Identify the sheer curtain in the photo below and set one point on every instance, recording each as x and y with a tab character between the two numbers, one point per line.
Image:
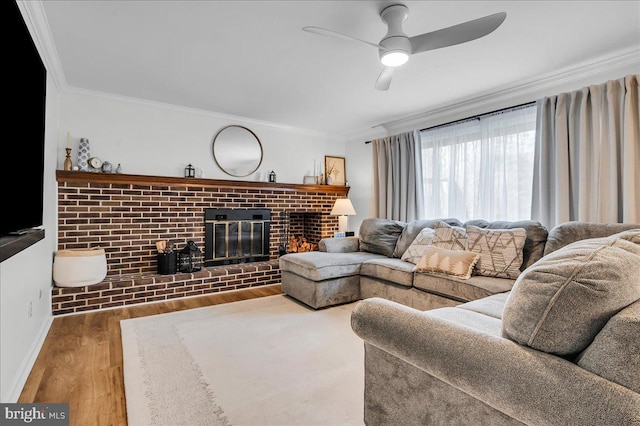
587	163
396	190
481	168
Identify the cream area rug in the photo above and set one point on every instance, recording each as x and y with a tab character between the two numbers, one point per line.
265	361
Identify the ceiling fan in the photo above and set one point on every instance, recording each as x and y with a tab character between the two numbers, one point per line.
396	47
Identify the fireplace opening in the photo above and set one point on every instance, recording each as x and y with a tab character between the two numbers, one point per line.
236	236
301	232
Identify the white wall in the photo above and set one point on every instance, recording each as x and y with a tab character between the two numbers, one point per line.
359	166
155	139
26	278
359	154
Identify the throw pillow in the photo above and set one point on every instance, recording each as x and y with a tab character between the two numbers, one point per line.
537	234
452	262
413	228
450	237
560	303
419	246
380	235
500	250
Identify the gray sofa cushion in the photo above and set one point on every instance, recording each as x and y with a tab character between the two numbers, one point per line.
318	266
492	306
460	289
380	235
484	324
413	228
615	352
570	232
339	245
562	302
394	270
534	244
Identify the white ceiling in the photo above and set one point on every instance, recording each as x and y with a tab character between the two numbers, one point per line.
252	59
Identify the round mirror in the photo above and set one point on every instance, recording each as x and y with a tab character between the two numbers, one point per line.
237	151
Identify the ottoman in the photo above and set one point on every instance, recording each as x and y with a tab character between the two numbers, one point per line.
320	279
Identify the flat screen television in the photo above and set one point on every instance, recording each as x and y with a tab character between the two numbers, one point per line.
22	186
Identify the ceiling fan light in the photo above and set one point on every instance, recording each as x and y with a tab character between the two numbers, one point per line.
394	58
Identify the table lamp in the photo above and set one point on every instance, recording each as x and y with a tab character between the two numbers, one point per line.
342	208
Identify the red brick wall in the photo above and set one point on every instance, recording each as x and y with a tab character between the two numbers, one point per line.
127	214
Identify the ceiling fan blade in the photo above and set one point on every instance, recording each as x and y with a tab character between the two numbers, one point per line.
384	79
457	34
326	32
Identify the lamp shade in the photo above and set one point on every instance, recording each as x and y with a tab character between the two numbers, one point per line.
343	207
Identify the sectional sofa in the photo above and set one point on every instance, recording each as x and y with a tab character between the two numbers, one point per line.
372	264
557	345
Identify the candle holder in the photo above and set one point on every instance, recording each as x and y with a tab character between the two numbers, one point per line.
67	161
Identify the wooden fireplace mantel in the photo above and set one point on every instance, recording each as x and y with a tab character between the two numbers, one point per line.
111	178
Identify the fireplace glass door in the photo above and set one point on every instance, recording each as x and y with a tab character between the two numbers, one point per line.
236	235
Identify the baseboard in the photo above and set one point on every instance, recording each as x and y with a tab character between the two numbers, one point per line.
27	364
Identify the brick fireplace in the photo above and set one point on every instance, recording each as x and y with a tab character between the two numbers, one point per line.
126	214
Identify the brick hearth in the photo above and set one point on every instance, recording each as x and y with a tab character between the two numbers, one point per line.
127	214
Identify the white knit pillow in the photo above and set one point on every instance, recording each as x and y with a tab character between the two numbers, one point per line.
416	250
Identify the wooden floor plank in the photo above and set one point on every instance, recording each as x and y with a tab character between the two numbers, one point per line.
81	358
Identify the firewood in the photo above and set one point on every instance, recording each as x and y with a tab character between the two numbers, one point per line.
300	245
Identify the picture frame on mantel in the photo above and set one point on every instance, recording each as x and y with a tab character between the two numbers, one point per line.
335	170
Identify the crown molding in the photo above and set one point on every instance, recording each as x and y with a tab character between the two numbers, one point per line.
212	114
36	20
624	62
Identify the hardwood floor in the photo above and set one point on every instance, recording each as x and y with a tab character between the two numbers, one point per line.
81	358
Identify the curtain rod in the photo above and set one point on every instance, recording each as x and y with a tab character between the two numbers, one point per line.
477	117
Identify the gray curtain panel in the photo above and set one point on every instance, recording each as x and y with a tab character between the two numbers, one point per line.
397	191
587	155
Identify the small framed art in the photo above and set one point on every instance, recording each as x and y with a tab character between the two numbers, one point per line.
335	170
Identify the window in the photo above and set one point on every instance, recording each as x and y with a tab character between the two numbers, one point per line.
480	168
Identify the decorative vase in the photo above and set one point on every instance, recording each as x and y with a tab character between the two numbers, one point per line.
83	155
